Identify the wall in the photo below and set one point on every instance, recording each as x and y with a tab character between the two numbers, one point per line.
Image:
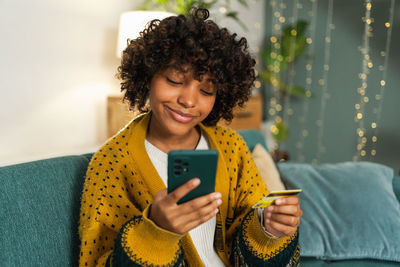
57	67
338	126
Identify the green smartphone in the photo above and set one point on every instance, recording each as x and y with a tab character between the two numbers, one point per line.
184	165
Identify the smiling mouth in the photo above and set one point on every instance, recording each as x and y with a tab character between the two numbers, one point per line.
180	116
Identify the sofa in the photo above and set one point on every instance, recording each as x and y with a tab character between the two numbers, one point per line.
40	200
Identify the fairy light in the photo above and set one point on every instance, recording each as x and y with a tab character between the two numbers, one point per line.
275	102
365	66
309	72
379	97
222	10
286	101
254	35
324	84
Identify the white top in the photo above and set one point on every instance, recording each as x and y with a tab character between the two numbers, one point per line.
203	235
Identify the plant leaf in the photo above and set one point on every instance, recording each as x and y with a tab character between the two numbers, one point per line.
162	2
300	46
270	62
243	3
234	15
208	5
268	77
294	41
301	26
280	132
188	4
296	90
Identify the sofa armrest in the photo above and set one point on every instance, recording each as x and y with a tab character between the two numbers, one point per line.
252	138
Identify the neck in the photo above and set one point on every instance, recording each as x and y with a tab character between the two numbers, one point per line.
167	142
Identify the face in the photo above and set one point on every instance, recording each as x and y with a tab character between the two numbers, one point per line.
179	102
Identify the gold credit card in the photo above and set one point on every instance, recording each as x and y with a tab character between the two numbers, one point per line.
274	195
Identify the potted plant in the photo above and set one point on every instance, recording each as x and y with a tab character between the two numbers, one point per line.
279	57
184	6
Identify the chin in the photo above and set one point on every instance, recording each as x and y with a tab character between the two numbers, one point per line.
177	128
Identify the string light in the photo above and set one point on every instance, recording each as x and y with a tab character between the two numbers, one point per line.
365	66
379	97
324	84
292	47
275	102
309	71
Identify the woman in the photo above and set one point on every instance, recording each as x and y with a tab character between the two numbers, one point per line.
191	73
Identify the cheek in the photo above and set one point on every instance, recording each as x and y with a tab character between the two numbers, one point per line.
159	94
209	105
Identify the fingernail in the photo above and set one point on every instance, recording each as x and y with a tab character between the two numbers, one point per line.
270	208
216	211
217	195
196	182
269	215
278	201
219	201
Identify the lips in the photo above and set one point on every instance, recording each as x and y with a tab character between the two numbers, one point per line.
180	116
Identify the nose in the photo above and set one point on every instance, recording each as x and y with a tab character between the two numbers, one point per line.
188	96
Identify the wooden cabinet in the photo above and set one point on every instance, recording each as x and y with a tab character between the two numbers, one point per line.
248	117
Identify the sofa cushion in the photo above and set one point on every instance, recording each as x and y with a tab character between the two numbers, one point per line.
350	210
313	262
39	207
267	168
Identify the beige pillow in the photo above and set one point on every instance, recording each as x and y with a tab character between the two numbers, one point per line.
267	169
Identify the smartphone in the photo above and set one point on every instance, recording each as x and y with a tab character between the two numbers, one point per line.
183	165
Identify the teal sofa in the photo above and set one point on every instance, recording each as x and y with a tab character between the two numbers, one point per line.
39	213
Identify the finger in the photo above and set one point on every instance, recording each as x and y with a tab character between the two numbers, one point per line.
198	213
183	190
201	214
286	230
185	214
293	210
193	223
284	219
293	200
161	194
202	201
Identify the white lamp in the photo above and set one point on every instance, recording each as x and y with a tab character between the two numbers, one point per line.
133	22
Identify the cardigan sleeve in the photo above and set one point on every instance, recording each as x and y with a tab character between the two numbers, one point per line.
251	245
114	230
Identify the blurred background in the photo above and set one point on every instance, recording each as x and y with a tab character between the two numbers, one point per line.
328	80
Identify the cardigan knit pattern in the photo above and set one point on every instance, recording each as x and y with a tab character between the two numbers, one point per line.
120	185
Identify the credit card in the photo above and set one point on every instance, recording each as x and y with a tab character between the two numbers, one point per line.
274	195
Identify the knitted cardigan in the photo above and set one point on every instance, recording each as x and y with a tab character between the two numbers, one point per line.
120	185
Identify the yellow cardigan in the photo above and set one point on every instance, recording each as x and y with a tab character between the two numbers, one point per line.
121	183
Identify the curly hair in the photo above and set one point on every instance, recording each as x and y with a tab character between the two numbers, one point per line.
192	41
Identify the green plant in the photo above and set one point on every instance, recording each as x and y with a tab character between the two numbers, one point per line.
279	56
184	6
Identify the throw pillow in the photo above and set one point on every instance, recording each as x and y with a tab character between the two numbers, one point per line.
267	169
349	210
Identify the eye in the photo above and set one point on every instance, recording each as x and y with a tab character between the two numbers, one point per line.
207	92
173	82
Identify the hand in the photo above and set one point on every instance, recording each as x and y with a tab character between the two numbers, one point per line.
180	219
283	217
